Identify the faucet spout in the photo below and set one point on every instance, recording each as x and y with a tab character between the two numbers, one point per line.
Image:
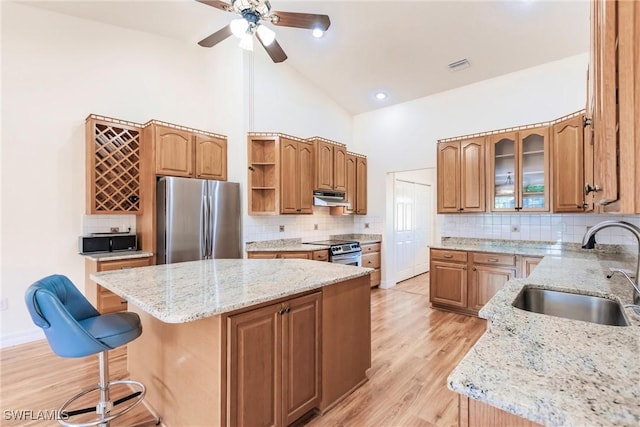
588	242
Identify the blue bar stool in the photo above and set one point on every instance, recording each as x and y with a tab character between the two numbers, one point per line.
74	328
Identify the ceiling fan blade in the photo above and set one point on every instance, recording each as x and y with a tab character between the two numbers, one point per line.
274	50
217	4
216	37
300	20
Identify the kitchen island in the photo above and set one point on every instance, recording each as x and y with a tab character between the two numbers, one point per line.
246	342
551	370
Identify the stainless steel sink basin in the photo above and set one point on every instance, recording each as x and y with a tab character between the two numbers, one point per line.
571	306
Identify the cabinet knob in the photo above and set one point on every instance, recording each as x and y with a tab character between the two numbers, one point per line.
473	269
298	210
447	256
464	268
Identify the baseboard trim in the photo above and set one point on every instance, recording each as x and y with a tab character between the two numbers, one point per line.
22	337
387	284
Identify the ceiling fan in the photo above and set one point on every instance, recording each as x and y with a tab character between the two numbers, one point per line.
254	11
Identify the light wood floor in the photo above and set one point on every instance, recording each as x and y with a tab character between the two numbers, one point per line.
413	347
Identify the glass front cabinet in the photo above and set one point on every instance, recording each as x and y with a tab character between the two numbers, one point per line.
519	171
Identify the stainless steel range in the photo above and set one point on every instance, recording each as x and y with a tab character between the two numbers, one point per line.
342	251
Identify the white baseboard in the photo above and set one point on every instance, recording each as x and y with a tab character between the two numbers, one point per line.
16	338
387	284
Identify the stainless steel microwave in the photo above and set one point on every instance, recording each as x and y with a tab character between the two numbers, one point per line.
107	243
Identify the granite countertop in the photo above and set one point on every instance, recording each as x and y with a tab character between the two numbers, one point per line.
363	239
283	245
552	370
114	256
188	291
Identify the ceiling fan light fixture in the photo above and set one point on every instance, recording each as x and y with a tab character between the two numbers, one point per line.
239	27
317	33
246	42
267	36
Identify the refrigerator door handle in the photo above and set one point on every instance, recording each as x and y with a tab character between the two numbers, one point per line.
205	222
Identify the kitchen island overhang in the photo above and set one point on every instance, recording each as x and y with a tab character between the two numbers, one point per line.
204	323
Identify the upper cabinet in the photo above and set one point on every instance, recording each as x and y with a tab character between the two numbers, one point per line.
519	171
330	167
296	176
263	180
188	153
613	105
361	185
113	155
461	176
569	155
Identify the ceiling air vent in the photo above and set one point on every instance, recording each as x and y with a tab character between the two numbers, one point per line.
459	65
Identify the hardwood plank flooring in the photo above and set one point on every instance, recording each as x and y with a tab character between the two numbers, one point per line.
413	346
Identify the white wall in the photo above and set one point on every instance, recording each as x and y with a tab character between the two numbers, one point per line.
58	69
404	136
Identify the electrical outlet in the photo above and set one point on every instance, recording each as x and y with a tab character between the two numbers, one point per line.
315	226
115	229
515	229
366	225
4	304
282	228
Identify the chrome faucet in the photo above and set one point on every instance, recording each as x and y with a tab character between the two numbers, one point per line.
589	241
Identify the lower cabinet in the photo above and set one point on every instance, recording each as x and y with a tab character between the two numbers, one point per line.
527	264
371	259
489	273
473	413
103	300
274	360
322	255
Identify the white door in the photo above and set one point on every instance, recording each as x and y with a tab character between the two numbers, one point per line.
413	208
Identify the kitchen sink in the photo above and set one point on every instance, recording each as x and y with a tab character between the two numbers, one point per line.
571	306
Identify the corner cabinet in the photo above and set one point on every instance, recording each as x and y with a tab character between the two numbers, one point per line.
274	360
461	176
519	171
296	177
185	152
113	163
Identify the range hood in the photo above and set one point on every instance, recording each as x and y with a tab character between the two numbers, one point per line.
329	198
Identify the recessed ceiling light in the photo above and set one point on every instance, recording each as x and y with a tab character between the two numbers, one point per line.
317	33
381	95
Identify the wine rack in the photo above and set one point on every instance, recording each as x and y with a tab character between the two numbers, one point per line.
113	166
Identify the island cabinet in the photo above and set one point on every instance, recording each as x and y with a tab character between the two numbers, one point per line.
569	157
104	300
473	413
113	152
296	176
274	360
461	176
519	171
330	168
180	151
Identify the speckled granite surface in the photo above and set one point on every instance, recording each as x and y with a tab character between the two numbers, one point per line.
114	256
282	245
363	239
183	292
552	370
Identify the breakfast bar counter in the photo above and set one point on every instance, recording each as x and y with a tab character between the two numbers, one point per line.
246	342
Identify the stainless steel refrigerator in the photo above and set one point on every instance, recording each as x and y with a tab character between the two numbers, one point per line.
197	219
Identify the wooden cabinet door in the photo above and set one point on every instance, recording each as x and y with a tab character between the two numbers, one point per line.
305	177
568	163
485	282
174	152
361	186
211	157
324	166
528	264
301	356
339	168
295	255
449	177
254	367
350	192
448	284
262	255
472	175
289	185
533	170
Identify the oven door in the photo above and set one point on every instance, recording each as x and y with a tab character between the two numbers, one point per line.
353	258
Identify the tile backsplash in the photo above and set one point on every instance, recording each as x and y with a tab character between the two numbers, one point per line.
258	228
552	227
104	223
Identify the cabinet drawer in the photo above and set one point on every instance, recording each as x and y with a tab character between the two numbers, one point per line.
493	259
295	255
371	260
374	247
321	255
443	254
110	302
375	278
125	263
